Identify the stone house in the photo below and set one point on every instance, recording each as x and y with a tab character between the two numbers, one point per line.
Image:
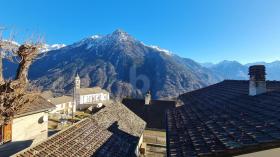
64	105
112	131
30	123
230	118
153	112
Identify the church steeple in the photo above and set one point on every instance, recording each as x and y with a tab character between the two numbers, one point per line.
77	82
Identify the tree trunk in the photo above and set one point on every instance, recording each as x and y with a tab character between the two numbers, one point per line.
22	71
27	53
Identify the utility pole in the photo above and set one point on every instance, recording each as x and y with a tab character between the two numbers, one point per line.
74	102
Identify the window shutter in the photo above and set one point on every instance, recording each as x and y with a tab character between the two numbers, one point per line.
7	132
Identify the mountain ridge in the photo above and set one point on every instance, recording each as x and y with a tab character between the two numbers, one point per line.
235	70
124	66
111	61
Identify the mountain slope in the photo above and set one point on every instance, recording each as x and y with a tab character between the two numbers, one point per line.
237	71
120	64
230	70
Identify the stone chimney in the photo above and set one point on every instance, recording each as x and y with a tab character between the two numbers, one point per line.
148	98
257	83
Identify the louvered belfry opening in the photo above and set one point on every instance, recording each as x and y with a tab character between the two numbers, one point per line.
257	80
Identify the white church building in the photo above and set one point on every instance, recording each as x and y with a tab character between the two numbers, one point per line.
86	97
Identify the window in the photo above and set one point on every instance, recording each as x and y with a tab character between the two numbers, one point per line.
58	106
94	98
88	99
98	97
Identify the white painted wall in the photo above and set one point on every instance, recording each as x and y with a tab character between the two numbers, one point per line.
137	150
29	128
91	98
64	107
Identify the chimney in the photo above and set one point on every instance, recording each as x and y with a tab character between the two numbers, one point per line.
148	98
257	83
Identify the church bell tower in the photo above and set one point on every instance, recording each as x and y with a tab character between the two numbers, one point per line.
77	82
77	86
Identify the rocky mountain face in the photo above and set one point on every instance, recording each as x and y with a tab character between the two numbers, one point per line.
121	64
128	68
9	69
235	70
230	70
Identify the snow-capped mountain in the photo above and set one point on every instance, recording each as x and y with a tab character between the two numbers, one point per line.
46	47
121	64
161	49
120	36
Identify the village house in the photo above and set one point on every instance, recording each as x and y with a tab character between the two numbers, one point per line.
86	97
83	99
29	124
64	105
112	131
153	112
230	118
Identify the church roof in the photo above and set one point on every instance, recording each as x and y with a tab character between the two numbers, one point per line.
112	131
223	120
94	90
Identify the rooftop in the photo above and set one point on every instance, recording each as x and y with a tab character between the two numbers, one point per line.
112	131
60	100
224	120
94	90
37	104
153	114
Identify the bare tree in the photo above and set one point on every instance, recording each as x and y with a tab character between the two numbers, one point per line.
13	92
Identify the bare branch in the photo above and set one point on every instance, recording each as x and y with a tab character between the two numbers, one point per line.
13	92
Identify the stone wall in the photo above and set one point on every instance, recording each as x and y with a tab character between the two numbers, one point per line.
30	127
137	150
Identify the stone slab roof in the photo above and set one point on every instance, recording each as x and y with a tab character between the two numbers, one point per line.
38	104
112	131
61	99
223	120
81	139
128	121
153	114
94	90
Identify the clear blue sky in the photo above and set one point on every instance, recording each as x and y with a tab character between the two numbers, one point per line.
204	30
